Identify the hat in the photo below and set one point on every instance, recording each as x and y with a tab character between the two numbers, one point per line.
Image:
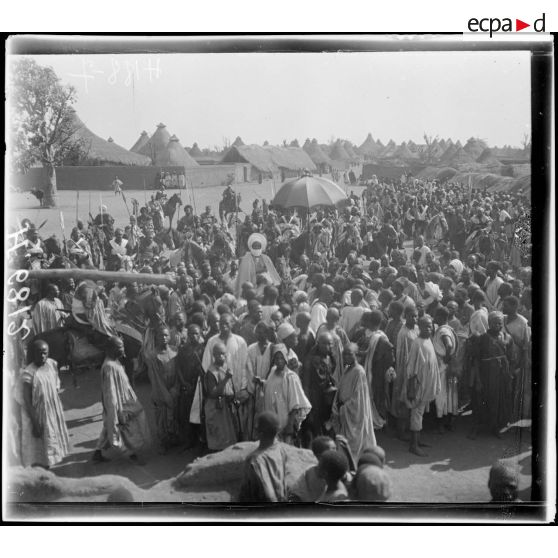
257	237
284	330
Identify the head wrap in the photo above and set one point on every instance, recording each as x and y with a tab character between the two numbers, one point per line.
257	237
279	348
432	290
284	330
457	265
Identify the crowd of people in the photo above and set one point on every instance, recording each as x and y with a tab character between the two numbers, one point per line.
319	329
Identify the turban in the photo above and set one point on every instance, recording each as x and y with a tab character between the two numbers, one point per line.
457	265
433	290
284	330
257	237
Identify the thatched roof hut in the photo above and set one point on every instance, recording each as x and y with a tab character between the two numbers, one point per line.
404	153
354	156
388	150
475	147
270	159
488	159
461	157
316	153
339	153
369	147
195	151
157	142
141	141
174	155
99	151
449	153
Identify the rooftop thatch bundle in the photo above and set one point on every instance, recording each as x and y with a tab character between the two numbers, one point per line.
99	151
174	155
157	143
238	142
141	141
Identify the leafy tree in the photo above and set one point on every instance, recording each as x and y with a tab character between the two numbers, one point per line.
42	122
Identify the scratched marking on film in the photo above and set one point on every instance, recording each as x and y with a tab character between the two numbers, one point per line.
125	72
17	294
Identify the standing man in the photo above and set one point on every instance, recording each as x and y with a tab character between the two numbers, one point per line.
49	312
117	185
44	436
422	380
124	421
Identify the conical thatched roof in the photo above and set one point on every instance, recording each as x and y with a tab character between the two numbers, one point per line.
195	151
449	152
389	149
316	153
488	159
442	143
110	140
436	151
141	141
270	158
338	153
157	142
458	144
412	146
475	147
174	155
350	151
369	146
403	152
97	150
294	143
461	157
238	141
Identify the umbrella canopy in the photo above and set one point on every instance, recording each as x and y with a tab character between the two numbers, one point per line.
309	192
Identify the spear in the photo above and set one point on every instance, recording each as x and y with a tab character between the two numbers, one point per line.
77	205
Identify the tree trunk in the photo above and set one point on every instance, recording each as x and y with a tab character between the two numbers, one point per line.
51	193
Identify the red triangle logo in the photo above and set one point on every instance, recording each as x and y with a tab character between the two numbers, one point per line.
519	25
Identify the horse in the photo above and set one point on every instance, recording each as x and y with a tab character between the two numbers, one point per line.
80	348
169	208
229	206
40	195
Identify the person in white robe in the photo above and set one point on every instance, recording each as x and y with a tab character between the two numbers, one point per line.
255	263
44	436
407	334
352	410
258	365
125	425
284	395
446	344
49	312
422	381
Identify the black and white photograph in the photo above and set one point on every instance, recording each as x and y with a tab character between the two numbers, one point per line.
277	277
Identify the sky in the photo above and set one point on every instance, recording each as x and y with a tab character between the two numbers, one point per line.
212	98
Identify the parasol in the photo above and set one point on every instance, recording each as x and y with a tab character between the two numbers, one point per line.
308	192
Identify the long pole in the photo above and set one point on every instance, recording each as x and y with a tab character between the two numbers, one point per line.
98	275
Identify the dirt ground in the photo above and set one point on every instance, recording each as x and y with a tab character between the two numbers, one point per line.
456	469
23	205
